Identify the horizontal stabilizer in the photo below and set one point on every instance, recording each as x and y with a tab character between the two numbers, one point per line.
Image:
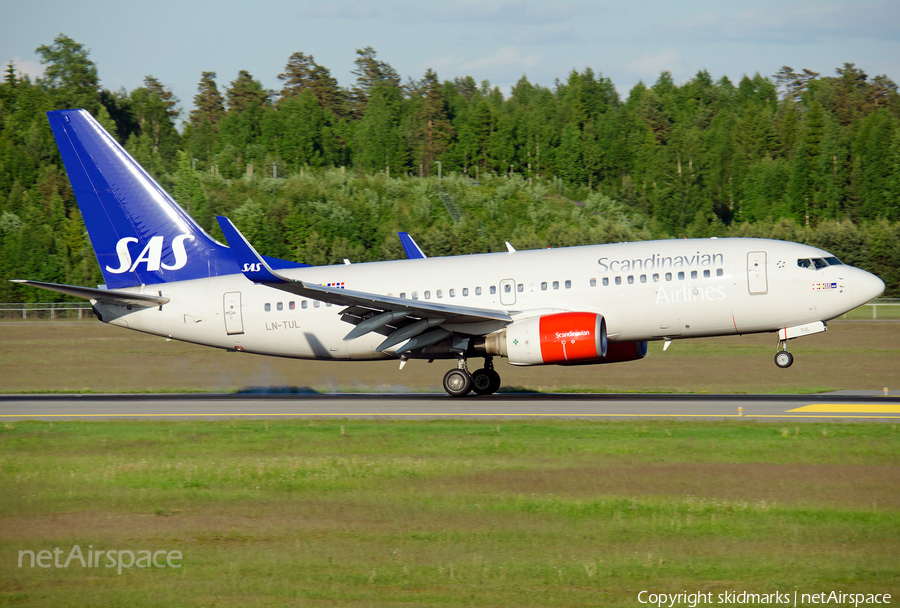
251	264
107	296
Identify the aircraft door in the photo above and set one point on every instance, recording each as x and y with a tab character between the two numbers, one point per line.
507	292
757	281
234	322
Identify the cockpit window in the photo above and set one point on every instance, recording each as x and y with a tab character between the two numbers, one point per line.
818	263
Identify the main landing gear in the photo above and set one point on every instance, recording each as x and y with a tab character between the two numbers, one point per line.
783	358
459	382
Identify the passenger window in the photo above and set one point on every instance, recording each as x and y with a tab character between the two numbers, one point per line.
618	280
555	284
304	304
493	290
507	288
681	275
452	293
440	293
631	279
427	294
478	290
415	295
720	272
705	274
605	281
656	277
593	282
668	276
316	303
402	294
544	286
268	307
328	304
279	307
693	274
465	291
292	305
520	287
568	284
643	278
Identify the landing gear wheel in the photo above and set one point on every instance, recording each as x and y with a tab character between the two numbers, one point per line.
485	381
457	383
784	359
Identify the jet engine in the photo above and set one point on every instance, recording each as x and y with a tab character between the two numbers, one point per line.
566	337
617	352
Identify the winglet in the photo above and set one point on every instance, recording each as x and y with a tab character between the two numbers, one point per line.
252	265
413	251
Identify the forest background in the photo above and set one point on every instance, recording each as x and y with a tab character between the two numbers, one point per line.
318	172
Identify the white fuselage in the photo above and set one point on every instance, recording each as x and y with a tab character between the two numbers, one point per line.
646	291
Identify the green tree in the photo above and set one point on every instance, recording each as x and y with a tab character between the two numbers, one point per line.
246	92
369	72
70	76
208	103
302	73
378	140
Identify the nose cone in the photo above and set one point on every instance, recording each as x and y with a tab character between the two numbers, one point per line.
866	286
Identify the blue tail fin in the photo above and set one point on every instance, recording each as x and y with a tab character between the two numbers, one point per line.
139	233
412	249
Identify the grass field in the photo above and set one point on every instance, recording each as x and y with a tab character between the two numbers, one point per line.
90	356
367	513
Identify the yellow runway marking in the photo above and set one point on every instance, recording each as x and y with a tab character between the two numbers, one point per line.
455	414
872	408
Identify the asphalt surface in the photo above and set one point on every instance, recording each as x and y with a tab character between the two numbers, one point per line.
829	407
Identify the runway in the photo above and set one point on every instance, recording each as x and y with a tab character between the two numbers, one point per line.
810	408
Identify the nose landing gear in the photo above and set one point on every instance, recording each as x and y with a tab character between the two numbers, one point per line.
459	382
783	358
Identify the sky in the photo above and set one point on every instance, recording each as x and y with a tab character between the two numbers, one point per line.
495	40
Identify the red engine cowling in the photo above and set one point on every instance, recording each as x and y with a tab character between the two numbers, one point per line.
561	338
618	352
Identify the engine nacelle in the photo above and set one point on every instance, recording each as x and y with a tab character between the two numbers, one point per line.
618	352
566	337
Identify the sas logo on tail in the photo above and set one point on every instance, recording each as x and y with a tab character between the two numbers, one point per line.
252	267
151	255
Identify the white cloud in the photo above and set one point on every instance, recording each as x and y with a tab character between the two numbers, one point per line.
649	66
488	12
793	25
552	33
31	68
508	56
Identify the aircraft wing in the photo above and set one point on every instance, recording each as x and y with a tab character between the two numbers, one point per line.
109	296
383	311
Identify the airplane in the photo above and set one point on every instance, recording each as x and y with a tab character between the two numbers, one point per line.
584	305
